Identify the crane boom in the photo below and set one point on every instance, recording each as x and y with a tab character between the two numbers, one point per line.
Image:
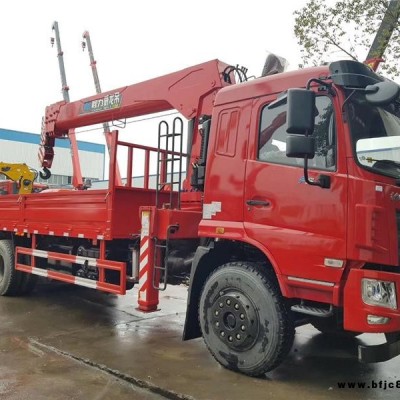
46	151
190	91
60	54
20	173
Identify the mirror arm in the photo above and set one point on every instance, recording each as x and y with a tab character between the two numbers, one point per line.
363	90
323	181
306	177
325	85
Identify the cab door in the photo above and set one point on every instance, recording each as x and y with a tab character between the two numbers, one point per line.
301	227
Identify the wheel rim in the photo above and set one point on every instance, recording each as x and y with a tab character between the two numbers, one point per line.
235	320
1	269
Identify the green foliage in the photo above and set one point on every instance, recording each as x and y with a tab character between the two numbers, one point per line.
346	29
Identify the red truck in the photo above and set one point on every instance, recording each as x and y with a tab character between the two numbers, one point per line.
289	212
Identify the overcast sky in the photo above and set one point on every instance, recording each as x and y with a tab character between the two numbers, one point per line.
132	41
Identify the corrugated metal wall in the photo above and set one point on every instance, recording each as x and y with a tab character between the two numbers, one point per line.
22	147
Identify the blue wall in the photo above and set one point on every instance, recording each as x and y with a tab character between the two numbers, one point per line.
25	137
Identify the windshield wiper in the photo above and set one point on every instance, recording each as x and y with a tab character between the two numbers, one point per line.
384	161
381	161
390	166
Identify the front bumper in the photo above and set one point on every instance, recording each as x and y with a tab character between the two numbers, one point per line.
356	311
380	352
356	315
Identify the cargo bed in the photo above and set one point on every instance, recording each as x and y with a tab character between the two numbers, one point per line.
94	214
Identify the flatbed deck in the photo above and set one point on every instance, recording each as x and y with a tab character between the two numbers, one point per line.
93	214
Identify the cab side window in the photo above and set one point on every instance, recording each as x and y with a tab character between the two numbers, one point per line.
272	136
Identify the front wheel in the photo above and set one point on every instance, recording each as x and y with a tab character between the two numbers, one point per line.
244	320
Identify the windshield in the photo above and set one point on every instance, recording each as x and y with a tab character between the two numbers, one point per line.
375	132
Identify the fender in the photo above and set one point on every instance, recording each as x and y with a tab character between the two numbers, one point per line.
206	259
191	328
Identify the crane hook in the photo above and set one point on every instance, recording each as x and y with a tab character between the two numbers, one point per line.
46	174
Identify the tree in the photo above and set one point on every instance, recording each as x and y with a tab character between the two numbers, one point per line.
348	27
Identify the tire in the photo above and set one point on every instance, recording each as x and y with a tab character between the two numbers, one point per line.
330	326
244	320
10	278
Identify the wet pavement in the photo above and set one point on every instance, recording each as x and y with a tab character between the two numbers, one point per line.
67	342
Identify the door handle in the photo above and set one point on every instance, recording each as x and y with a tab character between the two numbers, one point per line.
262	203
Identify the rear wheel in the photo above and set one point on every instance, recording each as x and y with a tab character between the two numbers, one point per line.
244	319
9	277
13	282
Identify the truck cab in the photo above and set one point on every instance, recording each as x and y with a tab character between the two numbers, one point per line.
324	222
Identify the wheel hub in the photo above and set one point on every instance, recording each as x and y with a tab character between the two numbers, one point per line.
235	320
230	320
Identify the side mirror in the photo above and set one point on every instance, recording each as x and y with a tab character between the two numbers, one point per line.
300	146
382	93
301	111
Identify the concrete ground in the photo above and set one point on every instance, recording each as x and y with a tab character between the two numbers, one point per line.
67	342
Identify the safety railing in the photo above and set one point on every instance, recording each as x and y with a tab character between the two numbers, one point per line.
140	162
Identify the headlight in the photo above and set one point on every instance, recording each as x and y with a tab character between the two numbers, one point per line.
379	293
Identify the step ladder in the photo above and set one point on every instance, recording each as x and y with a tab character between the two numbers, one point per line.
161	251
169	161
312	310
169	177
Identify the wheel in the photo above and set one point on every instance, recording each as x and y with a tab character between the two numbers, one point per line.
244	320
330	326
13	282
9	276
